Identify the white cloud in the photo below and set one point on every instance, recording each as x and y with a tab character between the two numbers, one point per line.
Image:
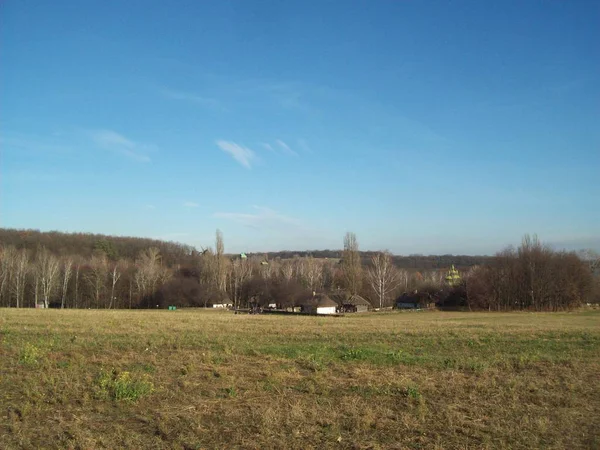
191	204
118	143
286	148
261	218
150	207
241	154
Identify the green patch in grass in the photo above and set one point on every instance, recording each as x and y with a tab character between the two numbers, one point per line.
123	386
353	354
30	355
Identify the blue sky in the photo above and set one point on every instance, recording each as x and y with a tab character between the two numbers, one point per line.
424	127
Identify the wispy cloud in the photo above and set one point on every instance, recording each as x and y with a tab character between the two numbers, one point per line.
260	218
192	98
241	154
150	207
285	148
118	143
191	204
267	146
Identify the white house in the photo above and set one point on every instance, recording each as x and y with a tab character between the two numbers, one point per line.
320	304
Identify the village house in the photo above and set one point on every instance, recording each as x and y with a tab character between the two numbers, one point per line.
350	303
416	300
319	304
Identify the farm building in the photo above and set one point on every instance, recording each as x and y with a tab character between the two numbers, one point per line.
416	300
351	302
320	304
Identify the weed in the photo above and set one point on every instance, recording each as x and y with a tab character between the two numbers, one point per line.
123	385
352	354
413	392
30	355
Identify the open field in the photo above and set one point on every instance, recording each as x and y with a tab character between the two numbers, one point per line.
208	379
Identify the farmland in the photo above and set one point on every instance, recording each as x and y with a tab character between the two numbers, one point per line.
191	379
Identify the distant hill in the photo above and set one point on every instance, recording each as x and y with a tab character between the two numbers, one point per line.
416	262
84	244
116	247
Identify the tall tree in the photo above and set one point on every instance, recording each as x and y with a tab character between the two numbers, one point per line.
220	263
383	276
351	264
7	260
115	275
67	270
96	277
19	276
47	265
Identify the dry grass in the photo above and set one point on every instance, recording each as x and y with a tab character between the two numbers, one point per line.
204	379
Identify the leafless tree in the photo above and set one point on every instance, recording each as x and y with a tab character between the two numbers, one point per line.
592	258
313	273
19	276
383	276
47	265
287	270
7	260
76	274
220	263
150	273
351	264
67	270
96	277
115	275
241	270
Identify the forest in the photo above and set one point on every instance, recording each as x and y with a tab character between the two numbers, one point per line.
81	270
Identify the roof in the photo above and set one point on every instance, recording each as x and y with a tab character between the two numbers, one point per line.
319	301
323	301
345	298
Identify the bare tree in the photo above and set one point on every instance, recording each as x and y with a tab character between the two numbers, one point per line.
66	272
241	270
7	260
115	275
150	273
47	266
287	270
96	277
383	276
313	273
76	293
592	258
220	263
351	264
19	276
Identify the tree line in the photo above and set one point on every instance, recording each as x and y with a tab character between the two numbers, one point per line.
111	275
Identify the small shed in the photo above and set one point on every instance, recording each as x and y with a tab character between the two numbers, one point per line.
320	304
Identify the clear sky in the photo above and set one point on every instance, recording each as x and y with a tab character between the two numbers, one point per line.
424	127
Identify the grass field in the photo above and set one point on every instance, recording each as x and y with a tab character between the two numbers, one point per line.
206	379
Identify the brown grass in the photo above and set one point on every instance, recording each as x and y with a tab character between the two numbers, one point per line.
205	379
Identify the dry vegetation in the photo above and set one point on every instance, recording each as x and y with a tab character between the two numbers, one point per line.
204	379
